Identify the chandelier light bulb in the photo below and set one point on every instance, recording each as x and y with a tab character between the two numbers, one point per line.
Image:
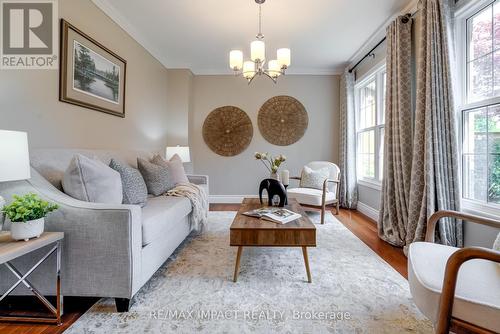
284	57
236	60
258	51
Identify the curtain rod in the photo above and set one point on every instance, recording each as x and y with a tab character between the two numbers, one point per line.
405	20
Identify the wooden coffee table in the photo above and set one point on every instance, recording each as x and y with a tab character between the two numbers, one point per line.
254	232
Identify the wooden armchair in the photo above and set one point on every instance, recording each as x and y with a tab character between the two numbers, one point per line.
318	199
454	287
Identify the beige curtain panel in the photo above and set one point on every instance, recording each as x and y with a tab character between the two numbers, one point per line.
398	137
434	178
348	193
421	168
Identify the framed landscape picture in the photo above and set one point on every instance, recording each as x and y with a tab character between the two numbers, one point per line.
91	75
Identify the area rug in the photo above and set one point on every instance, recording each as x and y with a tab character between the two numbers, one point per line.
352	291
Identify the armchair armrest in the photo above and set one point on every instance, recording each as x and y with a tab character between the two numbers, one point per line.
295	178
455	262
431	223
325	189
450	280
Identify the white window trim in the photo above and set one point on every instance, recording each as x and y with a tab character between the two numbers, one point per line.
374	73
461	15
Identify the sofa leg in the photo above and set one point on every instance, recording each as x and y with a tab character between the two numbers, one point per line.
338	208
122	304
323	215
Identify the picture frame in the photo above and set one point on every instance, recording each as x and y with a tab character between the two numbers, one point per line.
91	75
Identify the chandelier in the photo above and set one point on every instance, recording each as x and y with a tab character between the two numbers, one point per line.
251	68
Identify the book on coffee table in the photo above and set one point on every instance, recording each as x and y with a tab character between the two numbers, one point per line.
275	215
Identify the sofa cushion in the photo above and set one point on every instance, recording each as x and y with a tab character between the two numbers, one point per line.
177	173
91	180
477	295
134	188
309	196
156	177
161	214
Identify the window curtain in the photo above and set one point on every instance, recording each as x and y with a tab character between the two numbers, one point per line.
434	177
395	199
348	184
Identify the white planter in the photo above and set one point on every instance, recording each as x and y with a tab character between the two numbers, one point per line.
27	230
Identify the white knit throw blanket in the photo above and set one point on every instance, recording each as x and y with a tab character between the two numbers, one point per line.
199	202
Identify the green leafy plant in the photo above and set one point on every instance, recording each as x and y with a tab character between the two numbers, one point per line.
28	207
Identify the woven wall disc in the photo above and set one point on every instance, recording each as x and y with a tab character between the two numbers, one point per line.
228	131
283	120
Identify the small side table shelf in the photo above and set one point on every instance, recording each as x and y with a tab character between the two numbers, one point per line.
11	250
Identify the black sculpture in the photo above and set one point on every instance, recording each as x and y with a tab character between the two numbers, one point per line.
273	188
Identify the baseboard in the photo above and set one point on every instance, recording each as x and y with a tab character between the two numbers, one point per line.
229	199
368	211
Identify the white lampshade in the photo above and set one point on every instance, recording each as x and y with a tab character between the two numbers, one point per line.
236	60
181	151
274	68
284	57
258	50
14	156
248	69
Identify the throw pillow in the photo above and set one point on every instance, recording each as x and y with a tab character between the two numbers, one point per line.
91	180
134	188
177	174
314	178
156	177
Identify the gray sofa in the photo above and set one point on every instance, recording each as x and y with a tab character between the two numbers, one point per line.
108	250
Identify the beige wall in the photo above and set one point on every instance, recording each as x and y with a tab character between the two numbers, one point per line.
29	98
240	175
179	94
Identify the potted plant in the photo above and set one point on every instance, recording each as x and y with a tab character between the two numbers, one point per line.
27	214
272	164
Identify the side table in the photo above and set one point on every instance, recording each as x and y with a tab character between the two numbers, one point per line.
11	250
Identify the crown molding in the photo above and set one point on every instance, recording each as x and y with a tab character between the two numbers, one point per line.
380	33
129	28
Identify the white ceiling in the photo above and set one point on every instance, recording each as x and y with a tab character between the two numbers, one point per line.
198	34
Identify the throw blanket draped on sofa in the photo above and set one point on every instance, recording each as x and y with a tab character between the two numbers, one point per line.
199	202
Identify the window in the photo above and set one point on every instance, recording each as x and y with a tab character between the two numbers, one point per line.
370	110
480	110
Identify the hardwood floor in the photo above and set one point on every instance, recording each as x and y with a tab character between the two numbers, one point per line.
363	227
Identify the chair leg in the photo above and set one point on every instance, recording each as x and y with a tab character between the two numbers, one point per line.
323	214
337	206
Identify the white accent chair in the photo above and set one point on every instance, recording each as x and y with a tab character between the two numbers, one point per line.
455	287
315	198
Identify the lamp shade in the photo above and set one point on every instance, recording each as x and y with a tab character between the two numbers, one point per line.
284	57
236	60
274	68
14	156
181	151
248	69
258	50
